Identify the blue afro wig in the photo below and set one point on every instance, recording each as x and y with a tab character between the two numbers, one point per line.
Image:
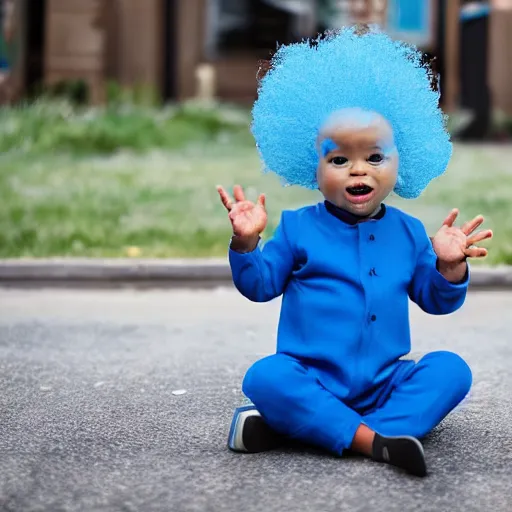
307	82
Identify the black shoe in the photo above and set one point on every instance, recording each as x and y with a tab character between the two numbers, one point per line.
250	434
403	451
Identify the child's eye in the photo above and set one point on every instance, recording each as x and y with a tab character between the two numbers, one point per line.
339	160
376	158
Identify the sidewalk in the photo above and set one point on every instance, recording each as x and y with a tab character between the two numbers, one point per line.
161	273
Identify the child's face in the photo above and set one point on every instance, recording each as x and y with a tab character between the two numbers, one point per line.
358	161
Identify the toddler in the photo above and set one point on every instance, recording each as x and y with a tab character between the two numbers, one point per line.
353	115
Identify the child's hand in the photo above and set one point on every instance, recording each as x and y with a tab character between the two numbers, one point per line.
453	245
248	219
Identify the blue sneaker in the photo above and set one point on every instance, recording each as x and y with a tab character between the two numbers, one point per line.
250	434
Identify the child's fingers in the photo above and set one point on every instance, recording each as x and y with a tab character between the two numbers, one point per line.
262	200
478	237
451	218
476	252
225	198
238	192
471	225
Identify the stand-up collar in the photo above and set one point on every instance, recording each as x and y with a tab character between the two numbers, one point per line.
350	218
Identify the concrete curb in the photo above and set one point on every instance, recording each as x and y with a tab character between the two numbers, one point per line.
107	273
161	273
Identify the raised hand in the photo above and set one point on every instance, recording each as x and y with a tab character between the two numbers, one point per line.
248	219
454	244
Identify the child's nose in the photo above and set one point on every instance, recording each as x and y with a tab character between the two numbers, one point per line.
358	170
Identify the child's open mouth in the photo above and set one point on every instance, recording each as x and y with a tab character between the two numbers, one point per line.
359	194
359	190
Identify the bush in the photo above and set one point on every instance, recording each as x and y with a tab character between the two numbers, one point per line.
48	126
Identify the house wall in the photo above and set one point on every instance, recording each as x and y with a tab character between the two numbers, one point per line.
123	40
134	34
97	40
500	56
75	44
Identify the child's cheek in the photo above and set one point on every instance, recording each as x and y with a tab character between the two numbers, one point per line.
390	163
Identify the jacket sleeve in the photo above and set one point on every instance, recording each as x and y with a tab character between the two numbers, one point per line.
428	288
262	274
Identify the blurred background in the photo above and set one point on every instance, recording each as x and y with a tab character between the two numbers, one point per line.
119	117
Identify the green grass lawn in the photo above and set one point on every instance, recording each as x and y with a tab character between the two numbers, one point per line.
165	203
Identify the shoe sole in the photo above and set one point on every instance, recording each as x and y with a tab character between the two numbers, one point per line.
250	434
235	438
420	467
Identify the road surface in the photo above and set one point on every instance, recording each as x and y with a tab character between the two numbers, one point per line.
90	419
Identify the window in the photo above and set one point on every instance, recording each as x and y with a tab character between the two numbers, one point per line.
254	26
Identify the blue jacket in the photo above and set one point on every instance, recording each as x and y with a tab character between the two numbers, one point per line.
346	290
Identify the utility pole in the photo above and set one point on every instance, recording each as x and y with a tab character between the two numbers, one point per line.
451	54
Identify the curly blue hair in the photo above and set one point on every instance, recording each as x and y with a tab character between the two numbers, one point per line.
308	81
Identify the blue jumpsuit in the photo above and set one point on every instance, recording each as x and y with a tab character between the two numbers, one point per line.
344	325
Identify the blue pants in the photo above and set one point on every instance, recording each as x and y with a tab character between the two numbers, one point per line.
415	399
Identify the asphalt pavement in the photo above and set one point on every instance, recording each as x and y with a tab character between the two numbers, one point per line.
121	400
